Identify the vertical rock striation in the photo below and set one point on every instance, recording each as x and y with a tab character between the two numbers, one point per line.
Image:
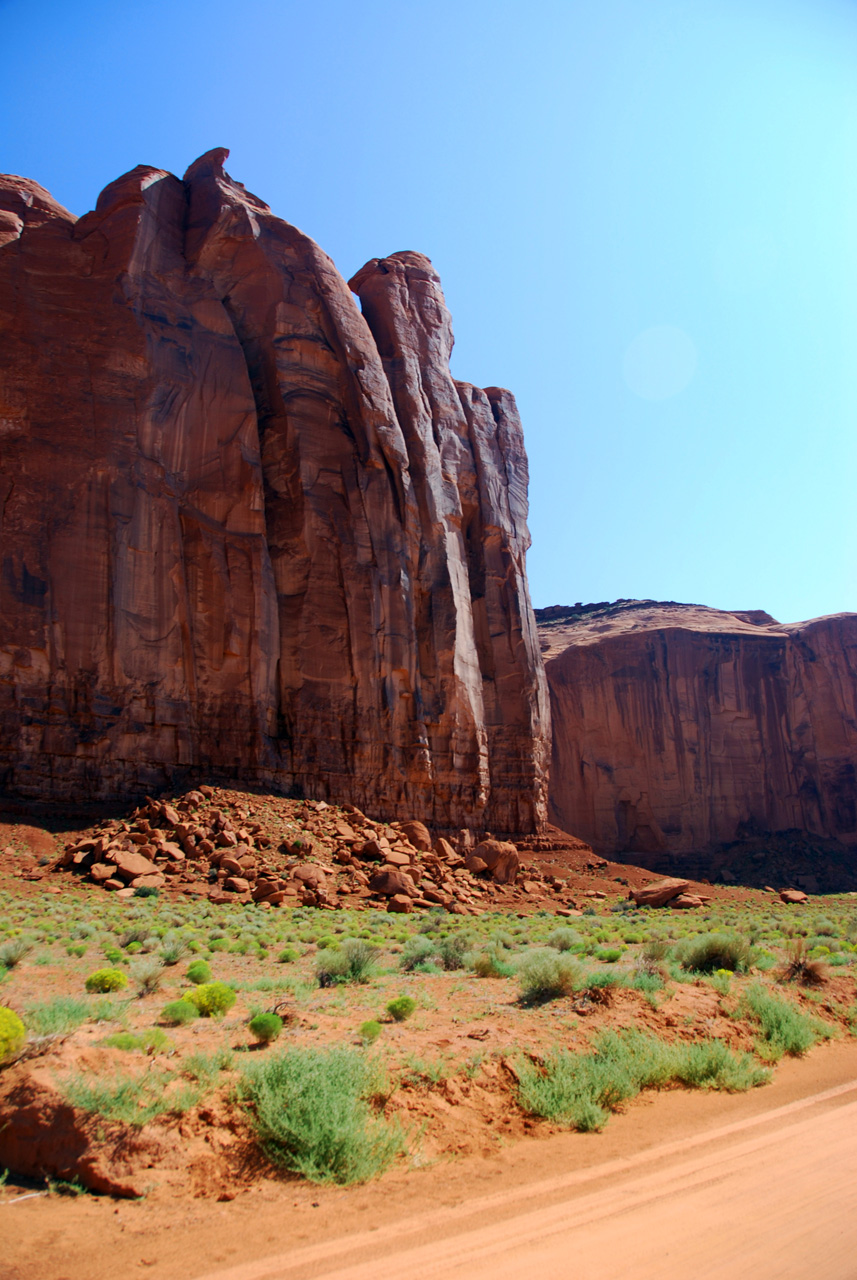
244	530
476	630
677	728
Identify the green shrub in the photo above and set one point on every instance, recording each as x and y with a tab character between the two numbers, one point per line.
212	999
173	949
147	974
783	1028
266	1027
422	1071
287	955
133	1101
198	972
57	1016
104	980
401	1008
13	952
151	1040
354	961
721	981
332	968
107	1011
710	1064
121	1040
179	1012
418	950
114	955
825	926
312	1114
490	963
546	975
133	938
713	951
564	939
145	891
369	1031
598	980
205	1068
12	1033
453	949
608	955
582	1089
647	982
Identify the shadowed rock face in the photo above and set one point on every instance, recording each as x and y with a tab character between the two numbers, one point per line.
246	528
678	728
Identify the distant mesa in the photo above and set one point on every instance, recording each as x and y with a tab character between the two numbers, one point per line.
680	730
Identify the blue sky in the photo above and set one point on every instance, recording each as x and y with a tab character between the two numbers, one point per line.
644	213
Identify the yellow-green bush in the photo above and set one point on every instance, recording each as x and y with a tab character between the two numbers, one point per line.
104	980
12	1033
211	998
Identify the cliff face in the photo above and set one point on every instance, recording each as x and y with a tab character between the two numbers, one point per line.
678	728
244	530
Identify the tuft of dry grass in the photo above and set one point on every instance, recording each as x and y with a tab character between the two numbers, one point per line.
799	967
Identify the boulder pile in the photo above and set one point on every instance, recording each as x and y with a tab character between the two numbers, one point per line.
233	847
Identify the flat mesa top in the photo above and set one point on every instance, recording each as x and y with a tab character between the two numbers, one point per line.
561	628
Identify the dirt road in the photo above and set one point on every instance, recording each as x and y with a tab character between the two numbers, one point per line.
773	1196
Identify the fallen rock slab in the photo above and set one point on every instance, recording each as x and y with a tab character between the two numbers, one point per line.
659	893
475	864
392	883
500	858
131	865
400	902
154	881
418	835
310	875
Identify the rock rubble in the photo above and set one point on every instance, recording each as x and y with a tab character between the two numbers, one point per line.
231	848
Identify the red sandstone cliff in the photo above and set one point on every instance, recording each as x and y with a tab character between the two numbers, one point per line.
246	528
678	728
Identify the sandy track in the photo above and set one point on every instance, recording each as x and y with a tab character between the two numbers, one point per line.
773	1196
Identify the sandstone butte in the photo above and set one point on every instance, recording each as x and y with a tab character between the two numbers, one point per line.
678	728
249	530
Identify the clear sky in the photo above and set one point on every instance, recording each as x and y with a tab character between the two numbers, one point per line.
644	213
